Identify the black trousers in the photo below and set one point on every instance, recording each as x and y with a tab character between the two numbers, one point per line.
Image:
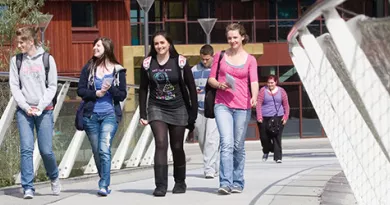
269	141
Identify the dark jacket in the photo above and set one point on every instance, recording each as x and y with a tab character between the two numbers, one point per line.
86	90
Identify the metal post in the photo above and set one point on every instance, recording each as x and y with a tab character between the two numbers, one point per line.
146	32
208	40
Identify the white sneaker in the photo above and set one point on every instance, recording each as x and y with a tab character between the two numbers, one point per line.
28	194
102	192
56	186
209	176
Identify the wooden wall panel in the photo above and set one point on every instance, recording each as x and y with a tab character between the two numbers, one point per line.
112	22
275	54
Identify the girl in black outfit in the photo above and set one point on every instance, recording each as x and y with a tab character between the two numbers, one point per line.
169	79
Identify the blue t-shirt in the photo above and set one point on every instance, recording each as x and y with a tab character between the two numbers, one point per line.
104	104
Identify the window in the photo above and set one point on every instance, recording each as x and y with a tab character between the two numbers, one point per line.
83	14
84	29
287	9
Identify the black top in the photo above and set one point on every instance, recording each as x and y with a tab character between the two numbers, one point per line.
166	88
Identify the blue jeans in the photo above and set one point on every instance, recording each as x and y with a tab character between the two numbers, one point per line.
101	130
232	126
44	125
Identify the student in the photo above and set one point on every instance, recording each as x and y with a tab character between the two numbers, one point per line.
168	79
33	91
102	87
205	128
237	89
272	101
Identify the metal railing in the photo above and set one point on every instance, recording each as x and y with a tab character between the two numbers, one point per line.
348	95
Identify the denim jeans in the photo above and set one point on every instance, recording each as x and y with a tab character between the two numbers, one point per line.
44	125
232	126
101	130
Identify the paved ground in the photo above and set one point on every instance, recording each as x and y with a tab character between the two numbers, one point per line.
309	168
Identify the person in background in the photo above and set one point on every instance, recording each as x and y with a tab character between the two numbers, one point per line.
237	88
168	79
272	101
206	129
102	86
33	91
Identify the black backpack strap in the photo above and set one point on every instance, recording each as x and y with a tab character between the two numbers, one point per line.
19	59
219	63
46	64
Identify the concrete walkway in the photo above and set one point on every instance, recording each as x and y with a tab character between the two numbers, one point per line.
308	165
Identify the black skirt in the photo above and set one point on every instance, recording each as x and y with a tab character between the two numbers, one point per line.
177	116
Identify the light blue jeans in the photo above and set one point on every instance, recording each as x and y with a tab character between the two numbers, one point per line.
232	126
101	130
44	125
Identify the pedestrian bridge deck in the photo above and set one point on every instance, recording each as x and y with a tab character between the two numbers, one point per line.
308	165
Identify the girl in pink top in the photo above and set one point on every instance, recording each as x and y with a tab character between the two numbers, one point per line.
237	88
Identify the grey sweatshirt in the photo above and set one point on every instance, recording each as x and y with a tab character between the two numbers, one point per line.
32	77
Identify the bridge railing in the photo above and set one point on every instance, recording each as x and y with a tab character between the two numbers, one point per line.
346	75
132	146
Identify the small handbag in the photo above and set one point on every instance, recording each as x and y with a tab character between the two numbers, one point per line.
79	122
274	124
209	101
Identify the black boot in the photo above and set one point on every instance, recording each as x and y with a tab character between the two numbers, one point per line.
179	173
161	180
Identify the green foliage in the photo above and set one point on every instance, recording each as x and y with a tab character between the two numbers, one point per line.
13	15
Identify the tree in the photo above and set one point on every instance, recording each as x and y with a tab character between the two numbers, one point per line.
13	15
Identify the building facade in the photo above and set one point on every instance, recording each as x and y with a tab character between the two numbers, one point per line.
79	22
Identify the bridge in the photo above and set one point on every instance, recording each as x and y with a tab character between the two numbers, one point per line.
346	75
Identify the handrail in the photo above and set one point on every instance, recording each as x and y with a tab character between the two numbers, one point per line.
70	79
311	14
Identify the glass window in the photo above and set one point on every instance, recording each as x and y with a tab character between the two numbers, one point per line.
177	32
263	9
291	129
242	10
201	9
249	30
135	35
265	32
153	27
272	10
175	9
223	10
196	35
218	34
287	9
284	27
311	125
305	5
83	14
264	71
155	12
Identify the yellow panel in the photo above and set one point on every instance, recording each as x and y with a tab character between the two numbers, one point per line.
130	52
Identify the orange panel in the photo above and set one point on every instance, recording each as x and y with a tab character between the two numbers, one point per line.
275	54
112	22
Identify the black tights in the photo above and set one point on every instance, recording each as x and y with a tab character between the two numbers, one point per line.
176	133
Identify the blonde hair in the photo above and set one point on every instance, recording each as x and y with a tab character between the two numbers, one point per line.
28	33
241	30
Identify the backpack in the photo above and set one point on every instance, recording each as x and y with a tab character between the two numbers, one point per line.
46	64
181	62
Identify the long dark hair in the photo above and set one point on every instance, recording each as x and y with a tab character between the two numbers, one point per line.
172	51
108	54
